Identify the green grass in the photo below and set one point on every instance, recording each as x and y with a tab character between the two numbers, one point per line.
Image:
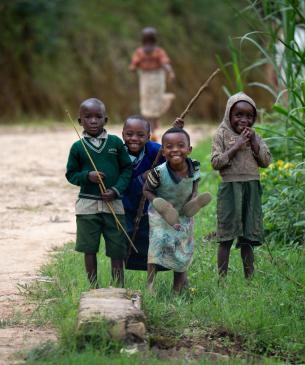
262	317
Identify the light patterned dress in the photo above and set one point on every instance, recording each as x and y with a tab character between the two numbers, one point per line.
168	247
154	101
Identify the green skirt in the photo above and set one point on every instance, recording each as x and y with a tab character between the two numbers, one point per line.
239	212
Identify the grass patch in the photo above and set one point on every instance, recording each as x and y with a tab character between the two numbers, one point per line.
243	319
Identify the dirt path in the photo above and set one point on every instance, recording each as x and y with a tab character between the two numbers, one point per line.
36	214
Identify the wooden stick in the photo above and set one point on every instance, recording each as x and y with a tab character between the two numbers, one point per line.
101	184
202	87
183	114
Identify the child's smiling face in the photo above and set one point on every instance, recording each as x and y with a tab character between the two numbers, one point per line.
175	148
135	135
242	115
92	118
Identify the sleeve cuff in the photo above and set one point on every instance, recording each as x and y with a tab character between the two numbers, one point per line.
117	192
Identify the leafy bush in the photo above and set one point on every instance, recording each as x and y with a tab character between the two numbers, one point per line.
284	212
273	132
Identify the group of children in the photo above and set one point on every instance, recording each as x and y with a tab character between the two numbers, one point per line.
165	239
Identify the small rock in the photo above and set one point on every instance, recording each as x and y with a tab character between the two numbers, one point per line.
116	310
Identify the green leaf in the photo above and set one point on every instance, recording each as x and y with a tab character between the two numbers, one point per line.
280	109
299	224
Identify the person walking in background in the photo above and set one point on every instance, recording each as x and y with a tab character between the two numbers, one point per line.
154	67
238	152
93	217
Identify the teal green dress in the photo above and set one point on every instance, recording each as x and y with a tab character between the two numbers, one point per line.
168	247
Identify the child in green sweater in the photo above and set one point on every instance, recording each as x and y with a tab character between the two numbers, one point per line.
93	217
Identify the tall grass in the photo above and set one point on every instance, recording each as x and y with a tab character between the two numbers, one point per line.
280	55
248	320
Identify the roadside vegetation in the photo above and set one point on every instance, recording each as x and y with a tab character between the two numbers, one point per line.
280	55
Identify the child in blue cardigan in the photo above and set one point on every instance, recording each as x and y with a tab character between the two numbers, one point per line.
142	151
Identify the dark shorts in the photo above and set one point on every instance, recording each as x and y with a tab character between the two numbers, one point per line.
239	212
90	227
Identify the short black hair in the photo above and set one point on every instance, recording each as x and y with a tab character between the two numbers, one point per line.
138	117
176	130
93	101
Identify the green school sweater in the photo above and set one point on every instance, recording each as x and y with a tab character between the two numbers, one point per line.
111	158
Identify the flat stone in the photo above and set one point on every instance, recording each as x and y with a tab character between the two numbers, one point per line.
111	312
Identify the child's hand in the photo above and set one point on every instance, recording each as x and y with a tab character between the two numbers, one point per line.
144	175
242	139
253	140
94	176
109	195
178	123
251	134
178	227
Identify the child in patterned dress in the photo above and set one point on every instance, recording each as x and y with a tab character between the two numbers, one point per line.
171	189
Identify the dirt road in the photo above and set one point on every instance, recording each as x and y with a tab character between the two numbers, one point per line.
36	214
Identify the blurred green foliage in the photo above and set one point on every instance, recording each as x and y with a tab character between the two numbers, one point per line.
56	53
284	215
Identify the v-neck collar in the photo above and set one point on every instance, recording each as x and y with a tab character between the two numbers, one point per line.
103	136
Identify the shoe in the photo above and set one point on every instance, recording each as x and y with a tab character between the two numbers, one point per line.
166	210
194	205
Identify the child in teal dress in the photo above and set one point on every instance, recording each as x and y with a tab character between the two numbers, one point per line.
172	190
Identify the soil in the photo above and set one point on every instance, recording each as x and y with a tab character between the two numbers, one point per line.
36	215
